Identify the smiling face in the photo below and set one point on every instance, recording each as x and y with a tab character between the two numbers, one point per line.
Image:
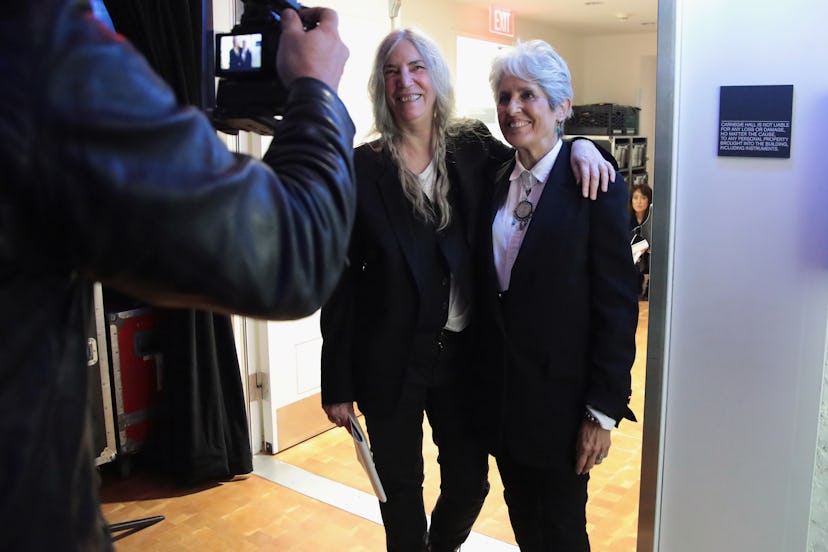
526	120
408	88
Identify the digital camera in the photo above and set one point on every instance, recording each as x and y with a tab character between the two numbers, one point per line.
250	94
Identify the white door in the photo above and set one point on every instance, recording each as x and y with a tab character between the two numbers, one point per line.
280	360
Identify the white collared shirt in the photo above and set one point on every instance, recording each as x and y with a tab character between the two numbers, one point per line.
507	235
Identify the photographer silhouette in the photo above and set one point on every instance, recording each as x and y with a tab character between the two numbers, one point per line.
108	179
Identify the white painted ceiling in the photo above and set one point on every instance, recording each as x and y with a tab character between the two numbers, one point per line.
585	16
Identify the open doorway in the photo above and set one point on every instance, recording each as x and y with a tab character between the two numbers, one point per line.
628	440
319	457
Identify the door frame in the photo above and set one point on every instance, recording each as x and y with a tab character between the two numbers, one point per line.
659	293
649	502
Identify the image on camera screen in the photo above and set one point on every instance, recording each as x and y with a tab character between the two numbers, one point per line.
241	52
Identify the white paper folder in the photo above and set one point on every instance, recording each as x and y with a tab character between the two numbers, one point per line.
638	249
365	457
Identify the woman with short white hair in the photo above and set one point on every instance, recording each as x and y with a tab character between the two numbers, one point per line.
556	306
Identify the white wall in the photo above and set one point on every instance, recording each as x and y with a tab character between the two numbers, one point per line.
818	534
616	69
604	68
748	288
362	25
571	47
620	69
613	70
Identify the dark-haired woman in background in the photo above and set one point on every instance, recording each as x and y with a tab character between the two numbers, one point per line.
641	198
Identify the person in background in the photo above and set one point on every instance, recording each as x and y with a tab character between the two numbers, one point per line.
395	332
107	179
556	309
641	198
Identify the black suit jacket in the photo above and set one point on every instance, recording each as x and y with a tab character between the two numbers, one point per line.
369	324
564	335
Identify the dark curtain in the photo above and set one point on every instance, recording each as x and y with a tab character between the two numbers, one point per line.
169	34
202	432
202	428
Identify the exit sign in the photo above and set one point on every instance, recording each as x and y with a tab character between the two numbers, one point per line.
501	21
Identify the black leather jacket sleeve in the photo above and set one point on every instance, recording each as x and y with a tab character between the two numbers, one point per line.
145	197
104	177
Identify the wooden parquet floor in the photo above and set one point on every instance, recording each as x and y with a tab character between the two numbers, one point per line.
247	513
250	513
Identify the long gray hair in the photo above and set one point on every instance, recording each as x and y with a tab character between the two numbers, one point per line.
391	135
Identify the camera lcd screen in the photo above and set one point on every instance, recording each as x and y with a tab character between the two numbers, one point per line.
239	53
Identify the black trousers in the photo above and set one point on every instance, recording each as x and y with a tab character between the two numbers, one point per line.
433	387
547	506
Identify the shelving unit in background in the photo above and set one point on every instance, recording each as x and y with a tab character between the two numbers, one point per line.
629	151
616	128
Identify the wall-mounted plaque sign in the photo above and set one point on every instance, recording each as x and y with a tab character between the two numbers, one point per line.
755	121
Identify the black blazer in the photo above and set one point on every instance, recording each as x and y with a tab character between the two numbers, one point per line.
563	336
369	323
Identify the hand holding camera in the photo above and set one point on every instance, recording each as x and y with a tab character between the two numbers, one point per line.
275	43
317	52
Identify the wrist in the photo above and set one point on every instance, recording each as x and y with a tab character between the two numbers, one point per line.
599	418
